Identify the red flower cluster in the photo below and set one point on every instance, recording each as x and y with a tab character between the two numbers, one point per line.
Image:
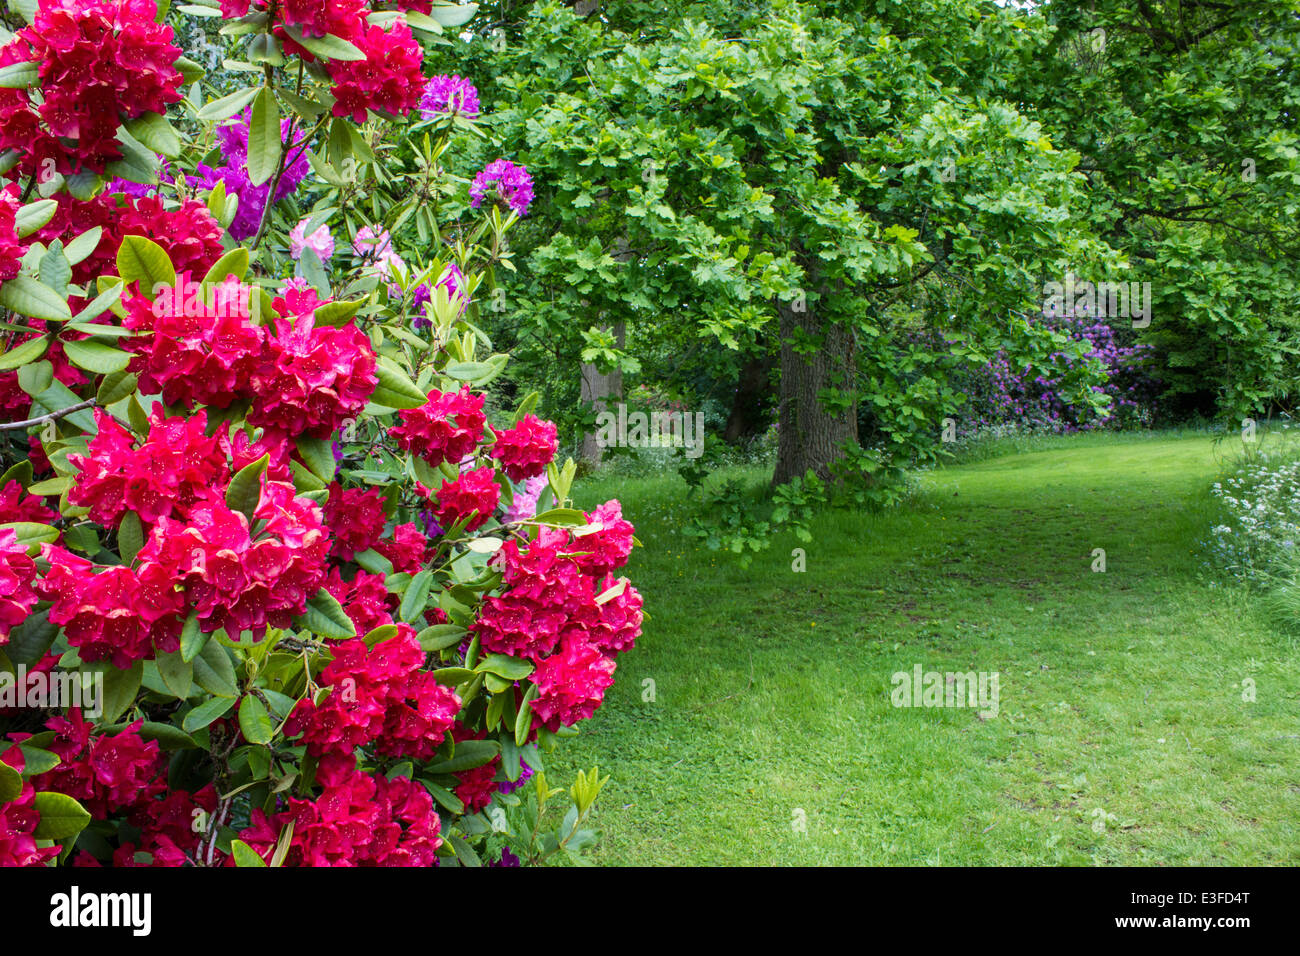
16	573
382	695
357	519
111	613
445	428
389	79
233	579
365	599
477	786
15	505
407	549
104	773
18	819
189	233
11	250
101	62
201	351
475	490
549	614
312	379
176	465
526	449
302	380
570	684
359	820
606	548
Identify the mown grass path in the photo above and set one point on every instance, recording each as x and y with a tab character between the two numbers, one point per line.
1122	735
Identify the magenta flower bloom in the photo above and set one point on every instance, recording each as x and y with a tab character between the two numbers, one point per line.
513	185
449	94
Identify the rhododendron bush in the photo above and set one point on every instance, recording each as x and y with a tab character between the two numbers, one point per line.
278	586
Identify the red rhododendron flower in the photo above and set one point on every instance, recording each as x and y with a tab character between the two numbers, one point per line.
18	819
105	773
609	545
165	475
190	234
101	62
389	79
445	428
570	684
17	505
477	786
359	820
357	519
202	350
407	549
526	449
312	379
110	613
543	589
365	599
617	623
243	451
473	491
381	695
232	579
17	571
11	251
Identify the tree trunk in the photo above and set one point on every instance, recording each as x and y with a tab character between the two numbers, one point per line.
811	435
595	388
749	406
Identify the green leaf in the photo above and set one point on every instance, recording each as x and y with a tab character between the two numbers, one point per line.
115	387
27	296
437	636
31	533
454	16
55	270
233	263
245	489
61	816
395	389
328	47
36	760
214	672
176	672
524	719
468	755
20	76
29	351
326	618
336	313
20	472
416	597
79	249
130	537
245	855
206	713
192	639
511	668
143	260
566	517
56	398
318	455
254	721
31	640
138	164
228	106
155	132
264	143
33	216
96	356
120	688
11	783
452	676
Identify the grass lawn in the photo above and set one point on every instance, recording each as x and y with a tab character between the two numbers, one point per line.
1122	736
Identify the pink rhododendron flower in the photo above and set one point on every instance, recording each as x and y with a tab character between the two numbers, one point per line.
18	820
365	599
609	545
407	549
17	505
524	505
357	519
105	773
321	241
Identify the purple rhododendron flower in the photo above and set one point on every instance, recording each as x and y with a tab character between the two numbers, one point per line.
512	182
449	94
233	141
